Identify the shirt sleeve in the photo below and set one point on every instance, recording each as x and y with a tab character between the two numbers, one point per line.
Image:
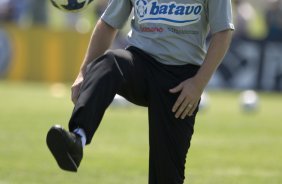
220	15
117	13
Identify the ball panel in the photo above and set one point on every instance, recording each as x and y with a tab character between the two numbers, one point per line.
71	5
74	5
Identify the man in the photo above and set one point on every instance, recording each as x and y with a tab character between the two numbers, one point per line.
165	68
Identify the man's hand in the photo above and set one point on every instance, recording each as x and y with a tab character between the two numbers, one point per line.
192	89
190	94
75	88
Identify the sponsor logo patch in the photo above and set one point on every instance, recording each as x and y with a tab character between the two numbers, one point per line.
182	31
151	29
167	13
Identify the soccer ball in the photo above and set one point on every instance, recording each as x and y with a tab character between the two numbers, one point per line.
119	101
71	5
249	101
205	100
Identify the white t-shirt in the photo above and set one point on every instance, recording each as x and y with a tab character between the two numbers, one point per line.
173	32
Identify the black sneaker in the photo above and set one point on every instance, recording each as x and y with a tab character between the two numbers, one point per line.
66	147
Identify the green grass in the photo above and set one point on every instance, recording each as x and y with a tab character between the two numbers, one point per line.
228	147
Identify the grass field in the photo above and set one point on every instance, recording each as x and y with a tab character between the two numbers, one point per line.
228	147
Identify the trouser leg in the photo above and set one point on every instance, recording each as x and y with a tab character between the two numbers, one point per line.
115	72
145	82
169	137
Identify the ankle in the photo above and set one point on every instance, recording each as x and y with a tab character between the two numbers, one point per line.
81	133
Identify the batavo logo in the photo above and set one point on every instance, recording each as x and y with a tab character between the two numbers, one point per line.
167	13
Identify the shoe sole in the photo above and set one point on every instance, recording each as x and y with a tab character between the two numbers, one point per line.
58	147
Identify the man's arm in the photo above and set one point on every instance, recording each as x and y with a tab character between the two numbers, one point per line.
191	89
101	40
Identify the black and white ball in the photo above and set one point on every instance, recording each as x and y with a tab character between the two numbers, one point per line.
71	5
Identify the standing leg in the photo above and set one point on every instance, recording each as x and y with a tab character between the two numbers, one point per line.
169	137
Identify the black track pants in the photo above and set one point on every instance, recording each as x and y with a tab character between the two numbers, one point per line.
144	81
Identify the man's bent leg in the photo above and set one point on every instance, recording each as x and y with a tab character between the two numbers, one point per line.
113	73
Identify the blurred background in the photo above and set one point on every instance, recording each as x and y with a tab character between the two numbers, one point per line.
37	39
238	136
